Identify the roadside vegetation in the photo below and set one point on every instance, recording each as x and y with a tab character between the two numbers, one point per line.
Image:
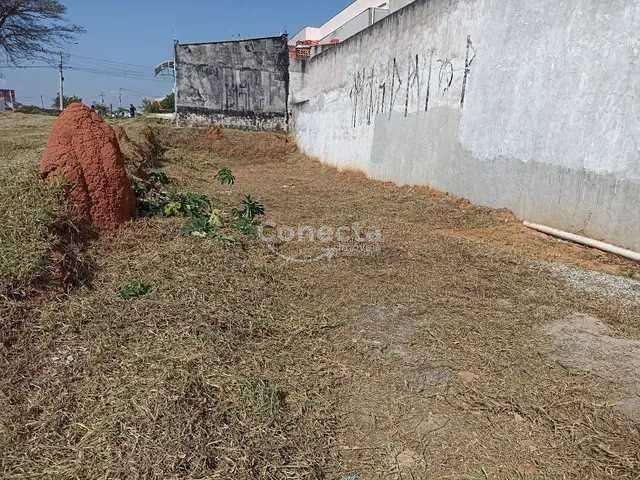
67	100
166	105
29	207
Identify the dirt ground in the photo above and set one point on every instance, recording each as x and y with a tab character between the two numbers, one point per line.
445	370
455	343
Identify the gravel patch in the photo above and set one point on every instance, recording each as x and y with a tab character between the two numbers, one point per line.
626	290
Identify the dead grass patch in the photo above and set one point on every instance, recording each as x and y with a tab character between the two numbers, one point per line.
29	207
191	380
242	147
427	361
201	377
140	146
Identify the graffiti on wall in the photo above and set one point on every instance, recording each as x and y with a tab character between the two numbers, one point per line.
244	95
469	58
238	77
409	84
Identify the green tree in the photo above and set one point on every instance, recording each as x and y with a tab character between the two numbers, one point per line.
33	28
150	106
103	110
66	102
168	103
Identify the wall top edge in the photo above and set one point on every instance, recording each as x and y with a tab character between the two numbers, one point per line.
244	40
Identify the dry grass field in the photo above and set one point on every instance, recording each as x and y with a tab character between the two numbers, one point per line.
457	345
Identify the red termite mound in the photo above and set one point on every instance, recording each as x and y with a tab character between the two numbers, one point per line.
84	153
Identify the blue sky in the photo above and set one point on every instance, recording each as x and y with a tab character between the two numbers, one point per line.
140	33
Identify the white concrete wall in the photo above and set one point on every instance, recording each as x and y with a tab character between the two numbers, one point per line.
307	33
549	125
398	4
350	28
356	24
343	17
352	11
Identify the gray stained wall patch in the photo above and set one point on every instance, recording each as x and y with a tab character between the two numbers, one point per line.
242	84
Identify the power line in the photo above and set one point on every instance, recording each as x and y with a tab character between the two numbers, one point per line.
96	66
136	92
114	62
105	71
93	60
115	73
108	66
26	66
130	73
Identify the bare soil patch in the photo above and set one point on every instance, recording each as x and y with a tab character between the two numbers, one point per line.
584	342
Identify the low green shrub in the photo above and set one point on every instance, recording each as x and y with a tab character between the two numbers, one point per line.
225	177
204	220
134	289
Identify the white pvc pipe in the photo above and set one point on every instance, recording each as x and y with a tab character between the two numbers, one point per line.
623	252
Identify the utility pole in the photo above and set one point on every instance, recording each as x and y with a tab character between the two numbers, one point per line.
61	93
102	98
120	96
42	101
